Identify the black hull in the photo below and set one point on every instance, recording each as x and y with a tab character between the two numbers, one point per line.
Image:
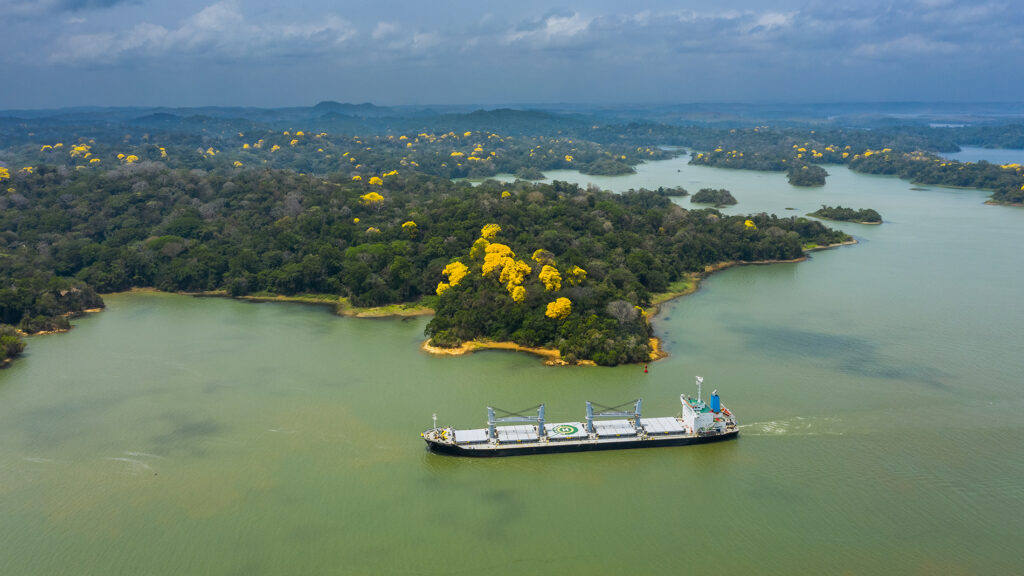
568	446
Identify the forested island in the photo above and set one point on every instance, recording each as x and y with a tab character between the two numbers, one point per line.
806	175
362	211
716	196
862	216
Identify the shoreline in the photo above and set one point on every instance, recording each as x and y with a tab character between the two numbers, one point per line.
551	355
68	315
850	221
341	305
688	285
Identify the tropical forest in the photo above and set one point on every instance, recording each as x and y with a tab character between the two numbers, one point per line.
364	206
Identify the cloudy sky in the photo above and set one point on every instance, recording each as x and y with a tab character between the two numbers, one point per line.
492	52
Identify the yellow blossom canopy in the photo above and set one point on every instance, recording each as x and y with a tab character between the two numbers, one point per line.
489	231
479	248
376	180
576	275
542	256
371	198
513	272
551	278
495	257
518	294
455	272
559	309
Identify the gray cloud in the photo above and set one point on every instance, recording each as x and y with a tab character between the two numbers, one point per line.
42	8
218	31
660	49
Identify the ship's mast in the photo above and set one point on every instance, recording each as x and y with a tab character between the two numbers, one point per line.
700	380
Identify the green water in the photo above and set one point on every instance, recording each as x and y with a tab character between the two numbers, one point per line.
878	387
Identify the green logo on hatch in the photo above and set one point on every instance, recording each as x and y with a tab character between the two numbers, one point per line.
565	430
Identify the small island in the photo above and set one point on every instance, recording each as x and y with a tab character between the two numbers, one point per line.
718	197
529	173
862	216
807	175
670	191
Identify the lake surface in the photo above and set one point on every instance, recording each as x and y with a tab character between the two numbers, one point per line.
878	387
990	155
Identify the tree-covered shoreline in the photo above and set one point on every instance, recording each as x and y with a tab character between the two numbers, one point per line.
246	207
383	240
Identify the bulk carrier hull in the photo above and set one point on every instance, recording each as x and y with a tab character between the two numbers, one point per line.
568	446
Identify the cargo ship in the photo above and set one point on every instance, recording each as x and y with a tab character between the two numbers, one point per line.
603	428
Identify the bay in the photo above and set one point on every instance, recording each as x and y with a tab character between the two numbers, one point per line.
990	155
877	385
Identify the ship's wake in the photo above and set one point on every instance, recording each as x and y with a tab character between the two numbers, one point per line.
796	426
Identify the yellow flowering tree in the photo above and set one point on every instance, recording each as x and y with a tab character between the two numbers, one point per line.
489	231
518	294
559	309
542	256
551	278
495	256
479	248
513	273
575	276
376	181
371	199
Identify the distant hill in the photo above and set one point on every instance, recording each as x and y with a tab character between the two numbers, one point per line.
366	109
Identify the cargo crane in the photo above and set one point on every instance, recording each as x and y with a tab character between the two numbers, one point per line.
514	417
615	412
